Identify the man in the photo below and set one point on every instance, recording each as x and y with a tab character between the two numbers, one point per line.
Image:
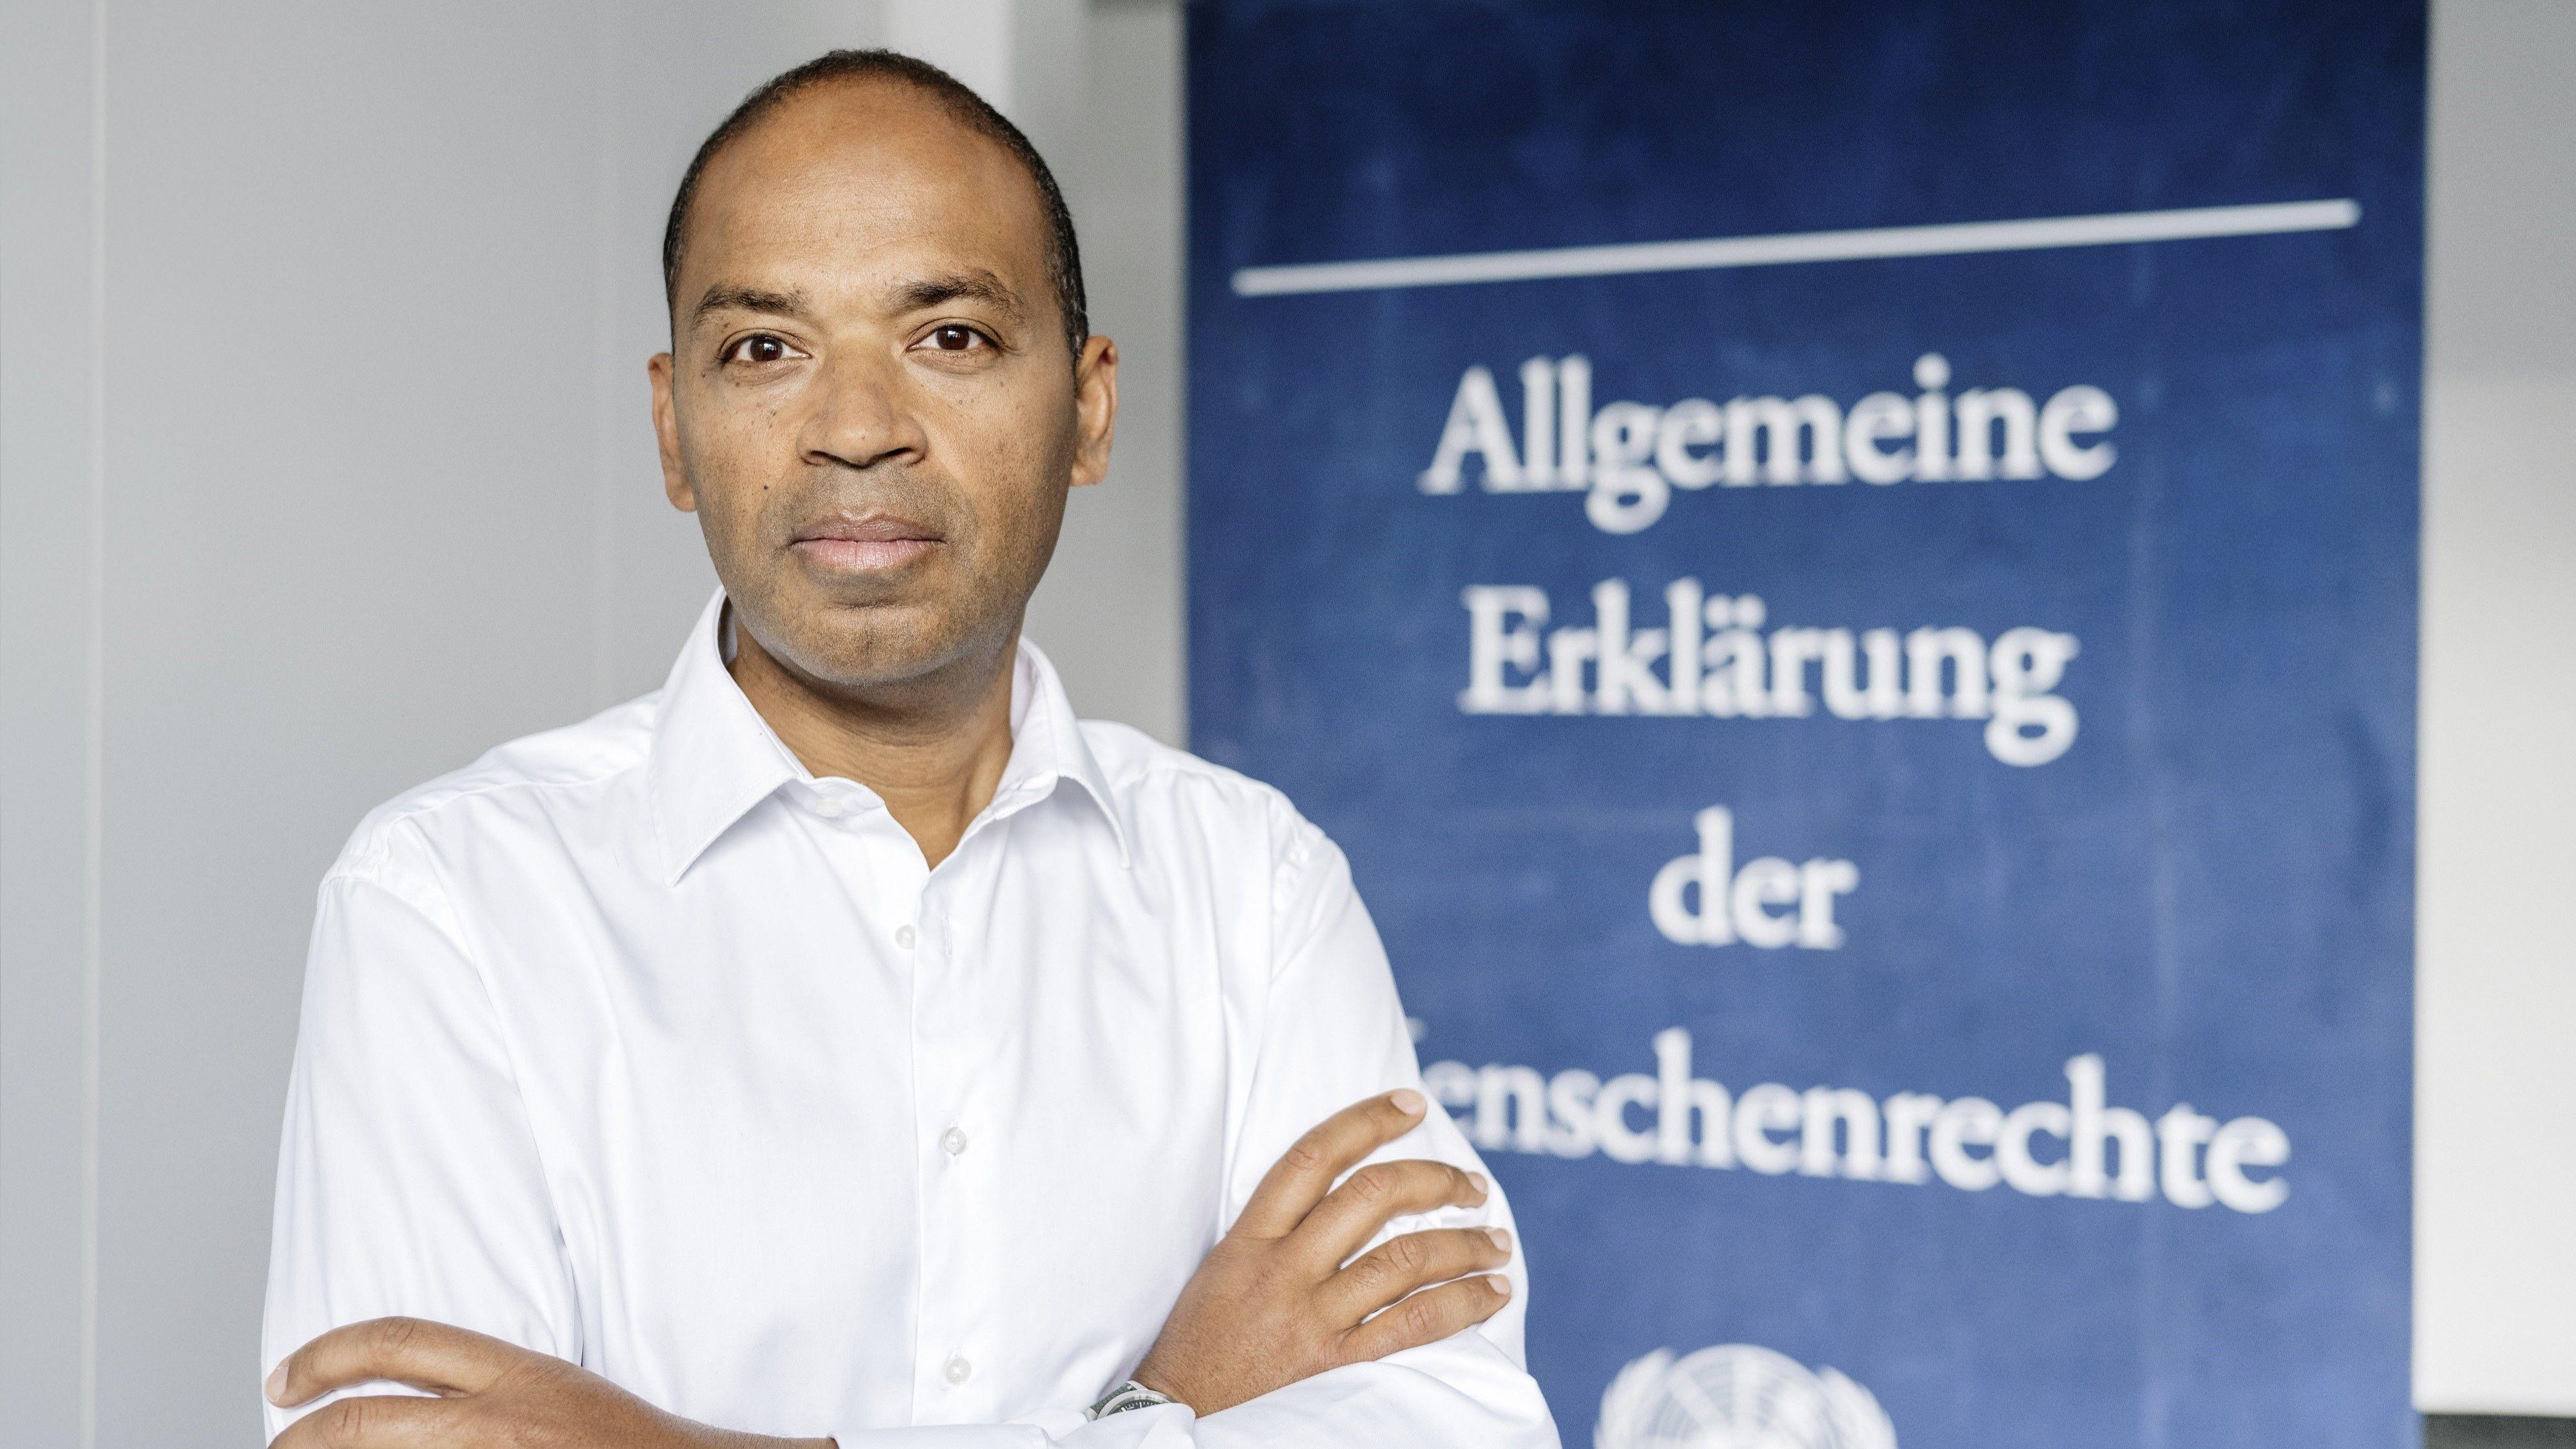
843	1044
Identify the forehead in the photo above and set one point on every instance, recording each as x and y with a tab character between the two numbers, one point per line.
852	185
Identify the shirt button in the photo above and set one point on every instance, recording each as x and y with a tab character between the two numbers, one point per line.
904	936
828	808
953	1141
959	1370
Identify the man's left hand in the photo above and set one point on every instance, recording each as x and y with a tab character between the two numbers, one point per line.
488	1392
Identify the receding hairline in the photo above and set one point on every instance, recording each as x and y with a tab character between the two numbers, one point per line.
815	92
1058	248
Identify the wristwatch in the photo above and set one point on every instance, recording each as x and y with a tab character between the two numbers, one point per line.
1129	1395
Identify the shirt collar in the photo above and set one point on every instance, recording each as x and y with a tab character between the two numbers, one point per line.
713	757
1048	748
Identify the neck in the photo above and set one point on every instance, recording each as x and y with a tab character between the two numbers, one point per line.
934	752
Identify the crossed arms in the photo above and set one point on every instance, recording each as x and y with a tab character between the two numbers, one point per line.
406	1098
1285	1296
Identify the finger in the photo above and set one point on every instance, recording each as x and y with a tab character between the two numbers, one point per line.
1376	1195
412	1351
373	1422
1398	1266
1301	1176
1427	1317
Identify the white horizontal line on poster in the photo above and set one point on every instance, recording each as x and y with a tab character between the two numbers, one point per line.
1948	239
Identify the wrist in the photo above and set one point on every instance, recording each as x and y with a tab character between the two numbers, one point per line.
1155	1374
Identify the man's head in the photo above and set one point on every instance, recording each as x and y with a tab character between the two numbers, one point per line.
880	385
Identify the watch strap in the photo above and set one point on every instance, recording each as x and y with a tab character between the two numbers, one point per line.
1129	1395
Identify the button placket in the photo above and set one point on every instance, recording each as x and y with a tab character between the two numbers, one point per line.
952	1299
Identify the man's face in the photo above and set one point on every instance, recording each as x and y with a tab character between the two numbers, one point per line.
868	401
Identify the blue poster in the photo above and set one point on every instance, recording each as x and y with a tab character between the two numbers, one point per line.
1845	574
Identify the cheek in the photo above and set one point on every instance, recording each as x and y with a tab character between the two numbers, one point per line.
734	450
1018	501
725	434
1013	459
736	497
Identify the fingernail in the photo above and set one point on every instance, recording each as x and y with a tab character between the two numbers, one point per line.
1482	1187
1502	1240
1501	1285
275	1388
1407	1101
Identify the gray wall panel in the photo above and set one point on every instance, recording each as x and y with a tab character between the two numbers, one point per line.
48	612
347	527
1110	611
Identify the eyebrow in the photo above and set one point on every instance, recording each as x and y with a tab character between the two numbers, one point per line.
752	299
974	285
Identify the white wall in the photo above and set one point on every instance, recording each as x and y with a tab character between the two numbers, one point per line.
1110	610
323	465
2495	1166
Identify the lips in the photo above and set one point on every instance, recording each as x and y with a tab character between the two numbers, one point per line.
865	543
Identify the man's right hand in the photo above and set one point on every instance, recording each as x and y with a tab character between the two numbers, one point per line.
1274	1303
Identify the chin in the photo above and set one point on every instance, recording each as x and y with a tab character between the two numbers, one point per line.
872	648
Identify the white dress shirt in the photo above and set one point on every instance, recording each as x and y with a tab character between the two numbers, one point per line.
637	1044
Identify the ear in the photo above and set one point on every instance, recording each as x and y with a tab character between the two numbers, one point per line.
1095	410
666	434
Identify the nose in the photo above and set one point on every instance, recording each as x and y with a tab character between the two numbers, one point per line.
862	418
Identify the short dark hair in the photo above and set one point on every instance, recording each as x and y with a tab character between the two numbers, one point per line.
1064	266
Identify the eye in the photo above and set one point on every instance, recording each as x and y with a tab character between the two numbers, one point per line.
759	347
956	337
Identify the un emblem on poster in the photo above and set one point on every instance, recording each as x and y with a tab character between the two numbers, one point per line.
1737	1396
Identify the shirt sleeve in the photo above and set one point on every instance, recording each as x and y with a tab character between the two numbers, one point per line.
408	1180
1335	1033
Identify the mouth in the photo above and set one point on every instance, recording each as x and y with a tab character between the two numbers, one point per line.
865	543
